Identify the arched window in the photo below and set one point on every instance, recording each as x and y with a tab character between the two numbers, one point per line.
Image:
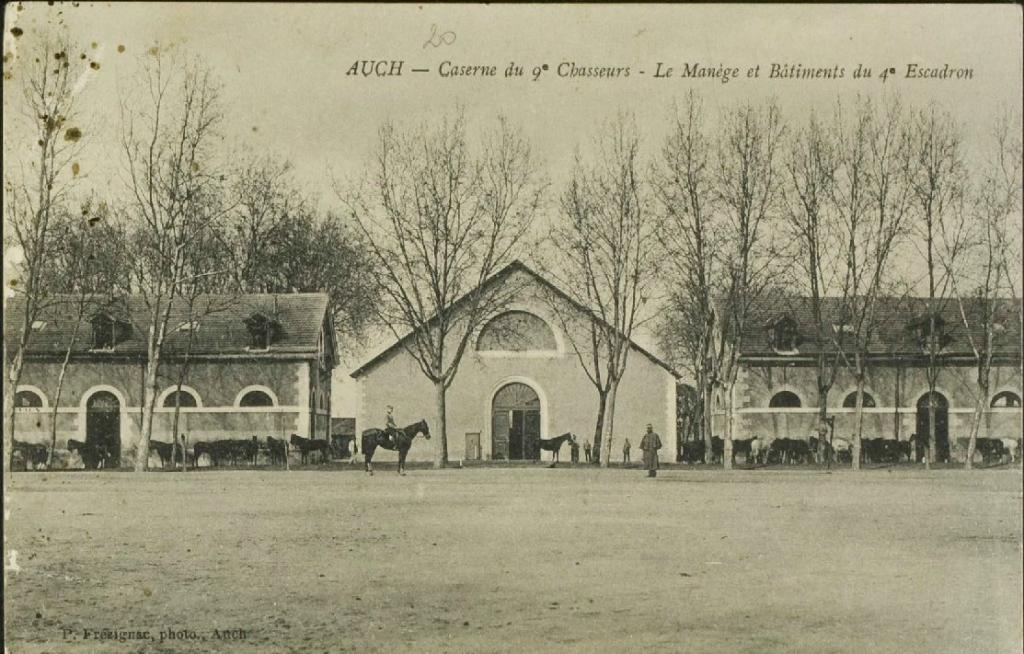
27	400
1005	399
850	401
784	400
183	398
256	398
516	331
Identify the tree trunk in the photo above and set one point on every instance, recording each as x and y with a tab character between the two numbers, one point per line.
56	406
148	402
979	411
441	446
609	423
822	420
602	404
56	394
13	377
727	442
929	456
858	423
709	393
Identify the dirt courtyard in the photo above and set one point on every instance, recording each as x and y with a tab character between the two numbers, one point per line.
515	560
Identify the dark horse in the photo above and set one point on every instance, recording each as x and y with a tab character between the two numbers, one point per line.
374	438
555	444
307	445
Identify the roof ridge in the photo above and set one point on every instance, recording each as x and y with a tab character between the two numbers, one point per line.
509	267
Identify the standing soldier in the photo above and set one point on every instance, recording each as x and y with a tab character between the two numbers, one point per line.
625	452
650	444
586	450
574	450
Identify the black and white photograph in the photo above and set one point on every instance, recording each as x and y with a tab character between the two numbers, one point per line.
512	328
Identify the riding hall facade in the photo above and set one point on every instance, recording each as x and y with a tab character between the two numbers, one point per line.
248	365
519	381
776	392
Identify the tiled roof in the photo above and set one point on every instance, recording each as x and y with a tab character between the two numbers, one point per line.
894	332
221	324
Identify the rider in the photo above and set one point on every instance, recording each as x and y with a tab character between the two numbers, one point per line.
390	428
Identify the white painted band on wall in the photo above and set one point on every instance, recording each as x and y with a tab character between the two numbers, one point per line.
162	410
905	410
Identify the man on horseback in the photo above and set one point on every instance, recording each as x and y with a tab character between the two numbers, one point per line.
390	428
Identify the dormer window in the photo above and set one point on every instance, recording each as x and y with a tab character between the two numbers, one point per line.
929	329
39	325
107	332
783	335
191	326
262	331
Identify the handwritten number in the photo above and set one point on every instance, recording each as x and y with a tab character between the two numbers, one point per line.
437	40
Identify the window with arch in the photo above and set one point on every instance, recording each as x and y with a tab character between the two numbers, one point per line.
1005	399
183	398
25	399
516	331
256	398
850	401
784	400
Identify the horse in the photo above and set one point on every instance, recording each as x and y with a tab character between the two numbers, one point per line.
166	451
555	444
93	456
277	450
33	453
307	445
373	438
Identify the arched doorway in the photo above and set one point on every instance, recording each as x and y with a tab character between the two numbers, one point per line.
103	424
515	423
938	400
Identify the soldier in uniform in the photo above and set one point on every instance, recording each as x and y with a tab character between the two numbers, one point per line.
650	444
390	428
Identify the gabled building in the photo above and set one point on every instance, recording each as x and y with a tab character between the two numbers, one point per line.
520	380
248	365
776	393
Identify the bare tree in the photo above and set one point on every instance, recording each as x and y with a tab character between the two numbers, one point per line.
442	218
938	188
811	168
169	139
978	258
280	243
684	185
34	188
607	243
87	276
265	201
748	185
873	200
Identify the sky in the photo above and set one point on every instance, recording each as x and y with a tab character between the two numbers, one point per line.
283	68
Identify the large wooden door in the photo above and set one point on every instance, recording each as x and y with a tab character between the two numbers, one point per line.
941	426
531	434
499	435
103	425
515	423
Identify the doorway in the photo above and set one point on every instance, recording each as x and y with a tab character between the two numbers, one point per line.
941	426
515	423
103	425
